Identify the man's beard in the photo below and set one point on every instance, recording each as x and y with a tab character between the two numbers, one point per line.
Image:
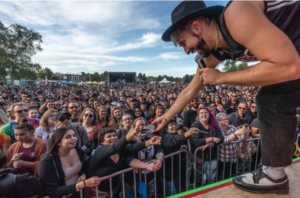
202	46
195	105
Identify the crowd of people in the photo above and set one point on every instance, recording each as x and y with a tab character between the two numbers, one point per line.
68	137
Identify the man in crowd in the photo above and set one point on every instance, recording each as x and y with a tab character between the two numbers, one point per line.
73	109
189	116
232	104
20	111
132	105
239	118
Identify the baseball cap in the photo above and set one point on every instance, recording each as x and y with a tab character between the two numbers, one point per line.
61	113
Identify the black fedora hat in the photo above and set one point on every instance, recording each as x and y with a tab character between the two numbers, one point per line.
186	11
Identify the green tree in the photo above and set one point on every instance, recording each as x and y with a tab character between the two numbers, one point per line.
46	72
232	65
17	45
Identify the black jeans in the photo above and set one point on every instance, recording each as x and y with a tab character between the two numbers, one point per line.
276	107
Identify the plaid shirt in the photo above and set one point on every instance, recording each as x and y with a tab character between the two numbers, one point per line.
228	152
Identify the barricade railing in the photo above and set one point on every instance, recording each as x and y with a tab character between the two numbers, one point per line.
122	173
232	156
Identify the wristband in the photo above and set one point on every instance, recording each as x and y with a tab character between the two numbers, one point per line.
185	135
77	187
128	139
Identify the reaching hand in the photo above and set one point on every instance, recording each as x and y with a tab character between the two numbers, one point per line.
192	131
156	140
159	122
216	140
150	166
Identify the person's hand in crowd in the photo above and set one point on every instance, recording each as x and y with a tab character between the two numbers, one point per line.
18	164
150	166
82	178
190	132
203	147
16	157
92	182
157	165
136	130
155	140
159	122
216	140
183	147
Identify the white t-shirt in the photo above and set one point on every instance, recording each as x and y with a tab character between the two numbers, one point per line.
40	131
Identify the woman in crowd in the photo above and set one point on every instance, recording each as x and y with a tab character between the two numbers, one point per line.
88	120
47	125
140	159
171	102
60	169
125	125
212	136
228	155
115	119
138	113
103	116
157	112
208	100
48	105
57	105
172	142
252	112
33	112
96	104
179	118
26	153
219	104
107	158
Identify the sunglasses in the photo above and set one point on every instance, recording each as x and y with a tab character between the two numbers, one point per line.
88	115
21	111
243	108
195	100
63	119
74	107
253	107
121	107
233	96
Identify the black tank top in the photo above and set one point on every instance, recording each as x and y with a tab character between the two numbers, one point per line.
283	14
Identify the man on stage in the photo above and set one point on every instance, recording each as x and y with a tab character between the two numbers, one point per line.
268	32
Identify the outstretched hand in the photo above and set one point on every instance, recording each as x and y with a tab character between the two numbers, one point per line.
156	140
159	122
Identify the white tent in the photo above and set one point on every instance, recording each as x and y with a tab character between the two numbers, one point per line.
82	83
174	82
153	82
102	83
165	81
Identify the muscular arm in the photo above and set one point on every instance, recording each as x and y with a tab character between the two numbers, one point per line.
280	61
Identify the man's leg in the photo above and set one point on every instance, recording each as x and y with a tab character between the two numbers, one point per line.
276	106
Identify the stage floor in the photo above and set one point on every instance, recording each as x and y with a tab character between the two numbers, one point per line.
225	189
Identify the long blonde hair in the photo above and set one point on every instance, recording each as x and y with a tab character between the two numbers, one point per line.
113	122
44	119
136	137
3	117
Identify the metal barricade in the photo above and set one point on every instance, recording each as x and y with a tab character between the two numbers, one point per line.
234	160
121	173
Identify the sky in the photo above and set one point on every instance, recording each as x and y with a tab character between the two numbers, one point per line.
98	36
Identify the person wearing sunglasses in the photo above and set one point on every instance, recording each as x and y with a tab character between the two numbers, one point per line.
20	111
63	119
239	118
252	112
189	116
73	109
89	121
232	104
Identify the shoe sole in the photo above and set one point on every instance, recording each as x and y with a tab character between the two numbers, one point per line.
278	192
